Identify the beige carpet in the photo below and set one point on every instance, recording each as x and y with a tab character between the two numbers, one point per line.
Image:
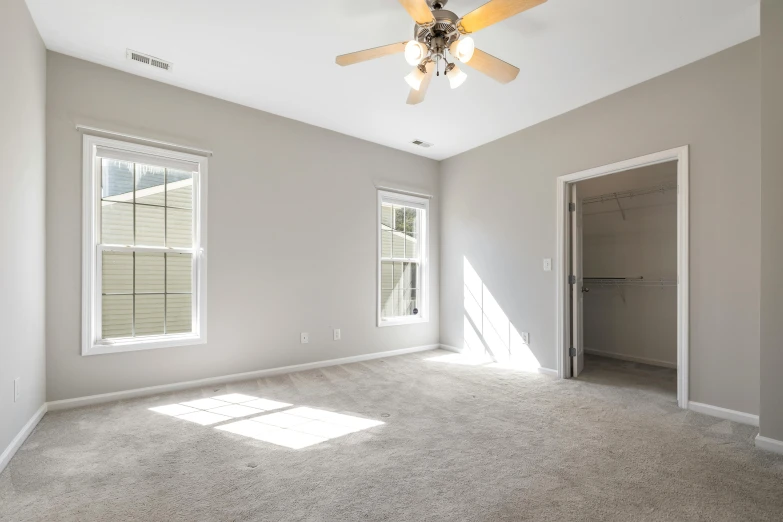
457	443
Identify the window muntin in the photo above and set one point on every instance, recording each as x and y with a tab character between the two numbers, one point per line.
147	248
402	258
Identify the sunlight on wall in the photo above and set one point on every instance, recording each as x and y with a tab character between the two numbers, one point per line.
489	336
292	428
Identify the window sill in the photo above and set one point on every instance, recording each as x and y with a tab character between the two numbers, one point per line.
402	322
151	343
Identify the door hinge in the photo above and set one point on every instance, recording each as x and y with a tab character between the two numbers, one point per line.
572	207
571	280
572	351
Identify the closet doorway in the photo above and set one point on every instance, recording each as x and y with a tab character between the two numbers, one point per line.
622	293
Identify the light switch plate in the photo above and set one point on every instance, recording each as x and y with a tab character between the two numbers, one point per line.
525	337
305	337
548	264
17	388
336	334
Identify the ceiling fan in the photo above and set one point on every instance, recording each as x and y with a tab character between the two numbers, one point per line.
438	30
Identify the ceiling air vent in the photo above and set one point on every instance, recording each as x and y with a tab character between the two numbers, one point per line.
420	143
148	60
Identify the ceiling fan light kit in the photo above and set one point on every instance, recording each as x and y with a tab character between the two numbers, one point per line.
415	52
437	31
416	76
463	49
455	75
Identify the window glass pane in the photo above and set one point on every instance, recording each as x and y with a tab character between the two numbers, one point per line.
411	221
178	273
386	242
397	295
398	272
179	228
410	302
386	215
411	246
387	303
399	218
179	188
412	276
398	244
178	313
117	268
116	180
149	185
117	316
387	274
149	225
407	275
149	314
116	223
150	274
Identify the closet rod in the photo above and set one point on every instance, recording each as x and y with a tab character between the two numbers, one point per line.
616	196
627	281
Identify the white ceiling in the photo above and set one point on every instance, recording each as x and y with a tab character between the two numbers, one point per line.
278	56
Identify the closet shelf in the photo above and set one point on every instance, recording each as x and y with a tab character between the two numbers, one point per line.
614	196
627	281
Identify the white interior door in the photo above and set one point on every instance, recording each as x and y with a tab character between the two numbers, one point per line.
577	285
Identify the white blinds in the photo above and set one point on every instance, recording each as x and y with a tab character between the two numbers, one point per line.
146	159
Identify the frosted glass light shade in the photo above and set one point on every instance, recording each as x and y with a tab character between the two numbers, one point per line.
415	78
415	52
463	49
456	77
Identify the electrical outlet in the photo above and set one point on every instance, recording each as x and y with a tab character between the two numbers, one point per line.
548	264
336	334
525	337
17	388
305	337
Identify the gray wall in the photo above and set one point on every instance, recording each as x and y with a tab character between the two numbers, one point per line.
304	195
498	211
639	322
22	206
772	218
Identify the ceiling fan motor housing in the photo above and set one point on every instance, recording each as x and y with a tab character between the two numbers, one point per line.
442	33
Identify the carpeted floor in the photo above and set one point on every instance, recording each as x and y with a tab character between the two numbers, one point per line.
457	443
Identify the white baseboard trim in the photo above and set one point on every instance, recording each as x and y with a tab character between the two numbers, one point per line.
78	402
545	371
631	358
724	413
768	444
25	432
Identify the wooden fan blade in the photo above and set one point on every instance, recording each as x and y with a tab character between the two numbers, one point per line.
415	97
493	67
495	11
370	54
419	11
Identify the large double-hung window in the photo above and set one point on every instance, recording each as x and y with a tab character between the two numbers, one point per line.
402	249
144	247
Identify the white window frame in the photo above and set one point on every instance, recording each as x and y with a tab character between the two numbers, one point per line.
385	196
92	344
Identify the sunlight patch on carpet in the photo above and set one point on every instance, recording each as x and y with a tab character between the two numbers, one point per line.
294	428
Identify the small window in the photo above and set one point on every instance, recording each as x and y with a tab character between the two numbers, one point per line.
144	247
402	252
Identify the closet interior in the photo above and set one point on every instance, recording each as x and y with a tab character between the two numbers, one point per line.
629	266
